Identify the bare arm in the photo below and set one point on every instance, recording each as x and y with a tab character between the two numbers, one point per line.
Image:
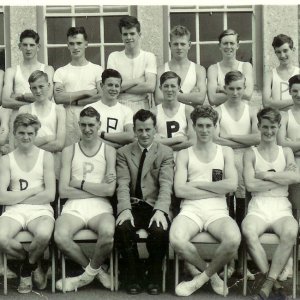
267	94
147	86
107	187
48	194
65	190
282	135
158	96
12	197
252	183
8	96
121	138
1	85
230	181
248	73
4	129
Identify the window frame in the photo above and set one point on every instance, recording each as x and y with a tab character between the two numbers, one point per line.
255	37
43	15
4	10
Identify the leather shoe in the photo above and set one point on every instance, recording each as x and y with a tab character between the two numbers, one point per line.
153	289
134	289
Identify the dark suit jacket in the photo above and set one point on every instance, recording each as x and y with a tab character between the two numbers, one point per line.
156	180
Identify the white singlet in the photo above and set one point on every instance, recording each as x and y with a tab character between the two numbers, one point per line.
221	75
190	79
169	127
113	118
240	127
280	87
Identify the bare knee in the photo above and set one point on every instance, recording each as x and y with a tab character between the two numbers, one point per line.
231	242
106	235
4	242
249	233
62	238
42	238
177	240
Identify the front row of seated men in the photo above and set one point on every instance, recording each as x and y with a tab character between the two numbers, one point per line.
143	173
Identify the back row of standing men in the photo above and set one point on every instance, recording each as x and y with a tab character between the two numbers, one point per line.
79	83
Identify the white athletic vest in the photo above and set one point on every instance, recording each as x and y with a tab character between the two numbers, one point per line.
200	171
21	84
221	75
280	87
293	128
49	123
89	168
190	79
261	165
21	180
240	127
174	126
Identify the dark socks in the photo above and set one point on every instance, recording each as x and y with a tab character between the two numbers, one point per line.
27	268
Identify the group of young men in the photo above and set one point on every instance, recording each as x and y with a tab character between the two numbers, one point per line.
108	140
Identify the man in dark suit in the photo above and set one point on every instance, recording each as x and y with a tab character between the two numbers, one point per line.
145	172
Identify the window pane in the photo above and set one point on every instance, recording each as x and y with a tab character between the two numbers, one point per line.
210	7
1	30
2	59
245	53
239	6
58	9
111	30
209	54
115	8
110	49
93	55
211	25
183	6
87	9
57	30
185	19
92	27
192	54
58	57
242	23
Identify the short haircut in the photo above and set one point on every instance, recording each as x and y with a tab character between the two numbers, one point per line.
169	75
281	39
204	111
26	120
129	22
29	33
144	115
269	113
90	112
229	32
234	76
294	80
179	31
77	30
37	75
107	73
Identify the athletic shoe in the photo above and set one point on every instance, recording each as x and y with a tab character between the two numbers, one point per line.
250	276
287	272
39	278
186	288
10	273
217	285
104	278
25	285
73	283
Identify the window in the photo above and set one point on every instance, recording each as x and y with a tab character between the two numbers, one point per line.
100	22
2	39
206	23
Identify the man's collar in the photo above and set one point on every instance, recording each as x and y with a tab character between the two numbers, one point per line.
142	148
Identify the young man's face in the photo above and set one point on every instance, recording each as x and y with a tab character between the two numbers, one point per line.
180	46
89	127
229	45
170	89
25	136
284	53
111	88
40	89
205	129
235	89
295	93
130	37
145	132
29	48
268	130
77	45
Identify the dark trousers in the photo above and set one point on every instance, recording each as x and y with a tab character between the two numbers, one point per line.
156	243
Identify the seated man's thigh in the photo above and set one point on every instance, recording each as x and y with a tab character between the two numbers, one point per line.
67	225
9	228
41	227
254	225
103	224
286	228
